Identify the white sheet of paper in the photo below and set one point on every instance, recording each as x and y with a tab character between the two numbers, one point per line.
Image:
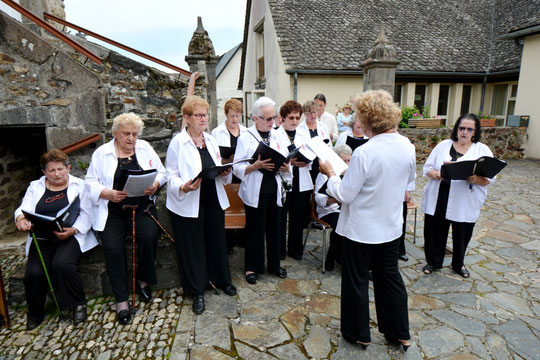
324	152
136	184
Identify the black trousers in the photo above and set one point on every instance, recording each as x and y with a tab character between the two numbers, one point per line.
283	212
201	247
113	238
388	286
402	250
61	259
260	221
298	206
436	229
334	250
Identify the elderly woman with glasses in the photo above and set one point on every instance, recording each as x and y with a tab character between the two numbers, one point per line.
110	162
261	192
197	206
453	202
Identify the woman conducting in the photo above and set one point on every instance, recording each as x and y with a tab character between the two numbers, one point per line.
109	216
197	206
261	192
298	199
453	202
328	210
371	194
61	250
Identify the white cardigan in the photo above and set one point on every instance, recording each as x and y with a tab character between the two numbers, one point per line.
100	175
464	204
223	136
85	237
342	138
183	163
323	208
372	190
304	178
322	131
251	183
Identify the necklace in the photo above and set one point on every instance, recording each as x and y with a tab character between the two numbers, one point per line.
199	143
49	186
119	152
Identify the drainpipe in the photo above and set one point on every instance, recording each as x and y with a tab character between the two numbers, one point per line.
295	86
483	95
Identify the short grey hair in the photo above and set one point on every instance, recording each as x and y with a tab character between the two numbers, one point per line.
342	149
128	119
309	105
261	103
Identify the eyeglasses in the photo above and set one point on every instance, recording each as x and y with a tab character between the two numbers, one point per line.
469	130
310	113
270	118
200	116
293	117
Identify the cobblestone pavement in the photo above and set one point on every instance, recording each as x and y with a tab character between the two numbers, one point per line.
493	315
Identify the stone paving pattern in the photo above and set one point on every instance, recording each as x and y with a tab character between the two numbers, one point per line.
493	315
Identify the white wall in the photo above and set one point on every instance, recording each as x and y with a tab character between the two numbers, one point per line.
528	96
10	11
227	84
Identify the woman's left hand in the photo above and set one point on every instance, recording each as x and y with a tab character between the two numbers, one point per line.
478	180
225	172
66	234
326	168
284	167
152	189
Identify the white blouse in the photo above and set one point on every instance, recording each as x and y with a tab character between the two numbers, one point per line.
223	136
323	208
464	203
304	181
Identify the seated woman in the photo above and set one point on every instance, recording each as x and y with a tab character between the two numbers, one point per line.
104	183
328	210
354	130
61	250
197	206
344	118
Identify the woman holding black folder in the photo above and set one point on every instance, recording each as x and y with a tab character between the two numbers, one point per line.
61	250
261	191
453	202
197	206
354	132
105	182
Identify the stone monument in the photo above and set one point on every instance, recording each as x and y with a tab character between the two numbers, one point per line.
380	65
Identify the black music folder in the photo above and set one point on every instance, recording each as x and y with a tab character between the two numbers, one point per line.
267	152
47	224
226	151
355	142
212	172
301	154
486	166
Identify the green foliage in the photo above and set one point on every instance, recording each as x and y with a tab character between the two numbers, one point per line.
403	124
435	139
422	137
83	165
481	115
426	110
407	113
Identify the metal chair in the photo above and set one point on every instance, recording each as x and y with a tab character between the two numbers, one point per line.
235	215
325	226
413	206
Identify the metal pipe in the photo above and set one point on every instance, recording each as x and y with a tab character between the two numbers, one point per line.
81	143
52	30
295	86
115	43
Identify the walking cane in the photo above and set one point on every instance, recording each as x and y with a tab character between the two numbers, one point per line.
133	208
60	316
147	211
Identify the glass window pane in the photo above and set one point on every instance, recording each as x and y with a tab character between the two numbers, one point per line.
499	100
466	99
397	93
514	91
442	107
420	96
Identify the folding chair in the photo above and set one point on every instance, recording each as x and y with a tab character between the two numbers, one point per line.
325	226
235	215
413	206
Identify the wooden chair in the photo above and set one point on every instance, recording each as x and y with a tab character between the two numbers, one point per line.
325	226
235	215
413	206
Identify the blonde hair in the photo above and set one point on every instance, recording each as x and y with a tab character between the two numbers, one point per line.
376	110
234	105
191	102
128	119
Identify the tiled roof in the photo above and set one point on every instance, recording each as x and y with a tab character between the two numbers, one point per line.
225	58
519	14
429	35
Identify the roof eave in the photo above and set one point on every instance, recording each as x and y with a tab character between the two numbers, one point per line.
521	33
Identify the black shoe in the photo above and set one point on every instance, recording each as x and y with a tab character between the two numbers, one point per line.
79	314
403	257
31	324
124	317
328	265
355	342
145	293
295	257
405	344
198	304
229	290
281	273
251	278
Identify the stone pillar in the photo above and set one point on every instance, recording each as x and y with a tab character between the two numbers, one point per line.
380	65
202	58
38	7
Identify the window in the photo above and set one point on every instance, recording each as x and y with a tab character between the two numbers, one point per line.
466	99
511	101
442	103
259	48
498	103
397	93
420	96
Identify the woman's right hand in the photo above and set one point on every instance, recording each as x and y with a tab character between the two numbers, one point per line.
262	164
434	175
23	224
191	185
113	195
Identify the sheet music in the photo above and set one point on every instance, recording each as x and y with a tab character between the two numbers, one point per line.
137	184
324	152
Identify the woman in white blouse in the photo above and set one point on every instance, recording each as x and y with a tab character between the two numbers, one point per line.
371	194
197	206
261	192
453	202
354	131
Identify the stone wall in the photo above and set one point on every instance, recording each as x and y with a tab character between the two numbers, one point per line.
504	142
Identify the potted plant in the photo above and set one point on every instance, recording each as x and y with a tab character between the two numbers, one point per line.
486	120
423	119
